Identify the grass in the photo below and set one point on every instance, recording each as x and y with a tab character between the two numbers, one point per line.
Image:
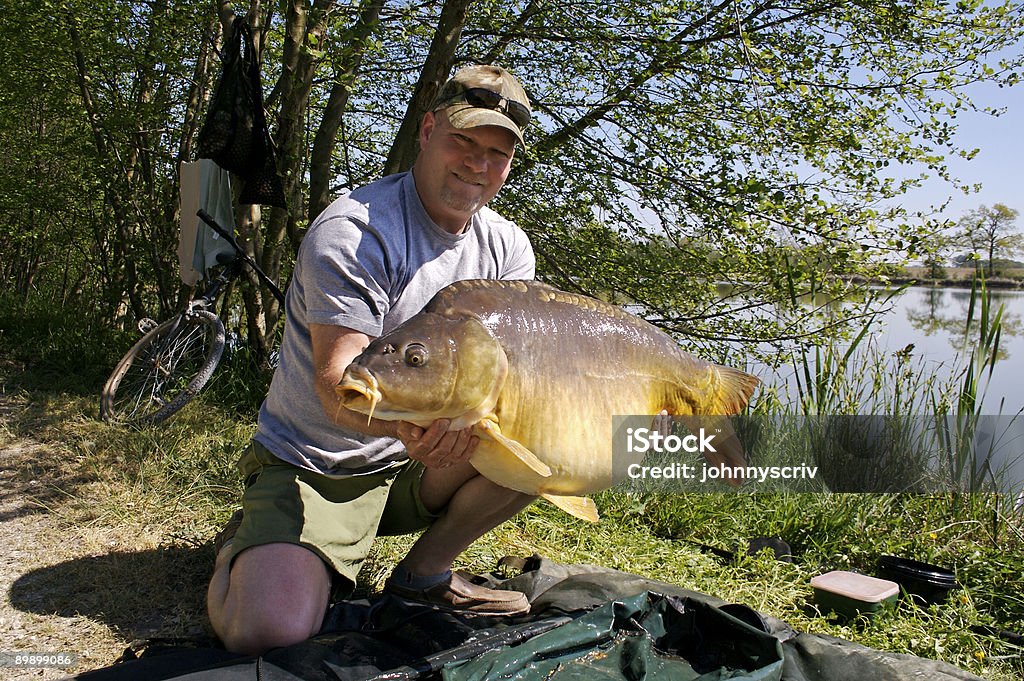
177	483
172	487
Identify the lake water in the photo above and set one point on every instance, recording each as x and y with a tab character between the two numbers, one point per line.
932	321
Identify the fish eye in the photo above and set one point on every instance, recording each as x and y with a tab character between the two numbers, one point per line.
415	355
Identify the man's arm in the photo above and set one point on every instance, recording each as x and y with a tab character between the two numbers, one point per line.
334	348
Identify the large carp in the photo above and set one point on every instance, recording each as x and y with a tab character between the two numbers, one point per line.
539	373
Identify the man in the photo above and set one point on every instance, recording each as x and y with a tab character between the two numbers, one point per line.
321	482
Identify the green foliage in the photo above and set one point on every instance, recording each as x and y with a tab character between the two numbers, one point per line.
240	382
988	235
677	146
853	404
703	129
73	348
95	119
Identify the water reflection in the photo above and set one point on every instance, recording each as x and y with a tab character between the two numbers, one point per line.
933	321
925	329
914	357
817	299
937	311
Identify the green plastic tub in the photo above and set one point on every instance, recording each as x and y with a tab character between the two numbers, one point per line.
850	594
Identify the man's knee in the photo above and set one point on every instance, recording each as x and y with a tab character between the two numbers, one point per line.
255	634
277	596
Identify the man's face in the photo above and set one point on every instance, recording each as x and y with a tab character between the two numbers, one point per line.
458	171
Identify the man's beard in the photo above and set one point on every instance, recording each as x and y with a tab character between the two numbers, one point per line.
461	203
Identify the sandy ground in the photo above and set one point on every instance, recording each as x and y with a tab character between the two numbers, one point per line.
73	586
35	545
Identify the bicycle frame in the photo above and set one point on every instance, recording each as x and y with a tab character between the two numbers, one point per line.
242	255
230	270
206	301
172	362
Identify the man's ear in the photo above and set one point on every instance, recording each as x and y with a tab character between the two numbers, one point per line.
427	126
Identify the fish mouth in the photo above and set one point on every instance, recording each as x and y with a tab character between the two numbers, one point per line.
359	391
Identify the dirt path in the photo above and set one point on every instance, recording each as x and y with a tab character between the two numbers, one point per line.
35	541
71	585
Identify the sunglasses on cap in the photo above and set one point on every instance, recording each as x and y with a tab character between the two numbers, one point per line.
486	99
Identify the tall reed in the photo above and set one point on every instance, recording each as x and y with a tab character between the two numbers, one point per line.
970	439
878	422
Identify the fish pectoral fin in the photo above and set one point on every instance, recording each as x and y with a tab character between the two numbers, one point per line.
728	449
492	430
583	508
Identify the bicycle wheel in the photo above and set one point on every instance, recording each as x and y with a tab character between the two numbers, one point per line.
164	370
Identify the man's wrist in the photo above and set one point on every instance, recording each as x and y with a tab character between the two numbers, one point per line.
353	420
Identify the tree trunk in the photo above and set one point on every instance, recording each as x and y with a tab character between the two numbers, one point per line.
303	33
259	331
123	231
197	96
325	141
435	71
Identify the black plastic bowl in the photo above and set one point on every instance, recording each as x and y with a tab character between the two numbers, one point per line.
926	582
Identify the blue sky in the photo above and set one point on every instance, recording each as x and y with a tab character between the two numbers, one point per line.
999	165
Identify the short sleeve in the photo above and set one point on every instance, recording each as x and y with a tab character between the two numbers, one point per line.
520	261
345	274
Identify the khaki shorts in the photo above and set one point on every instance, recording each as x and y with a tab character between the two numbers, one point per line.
336	518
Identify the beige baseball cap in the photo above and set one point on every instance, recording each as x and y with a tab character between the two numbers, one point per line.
485	95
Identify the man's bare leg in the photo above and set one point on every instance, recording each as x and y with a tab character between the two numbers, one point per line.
475	505
277	594
270	596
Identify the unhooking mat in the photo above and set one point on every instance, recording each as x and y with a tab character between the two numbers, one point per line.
586	622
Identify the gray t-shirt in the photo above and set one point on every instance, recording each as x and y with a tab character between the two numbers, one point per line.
369	262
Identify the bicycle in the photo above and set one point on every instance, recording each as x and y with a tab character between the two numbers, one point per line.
174	360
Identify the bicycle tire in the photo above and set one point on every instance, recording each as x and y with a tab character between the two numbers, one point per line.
164	370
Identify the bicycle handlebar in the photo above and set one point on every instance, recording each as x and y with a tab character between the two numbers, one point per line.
215	226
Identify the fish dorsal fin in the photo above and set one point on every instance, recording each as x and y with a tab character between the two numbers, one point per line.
489	426
583	508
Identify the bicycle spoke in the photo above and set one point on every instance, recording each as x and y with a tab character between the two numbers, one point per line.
165	368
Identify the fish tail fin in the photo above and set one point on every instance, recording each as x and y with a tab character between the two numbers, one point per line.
731	390
727	391
726	449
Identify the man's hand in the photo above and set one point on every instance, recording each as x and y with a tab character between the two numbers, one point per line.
334	347
436	446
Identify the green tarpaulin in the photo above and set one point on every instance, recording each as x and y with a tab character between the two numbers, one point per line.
586	622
